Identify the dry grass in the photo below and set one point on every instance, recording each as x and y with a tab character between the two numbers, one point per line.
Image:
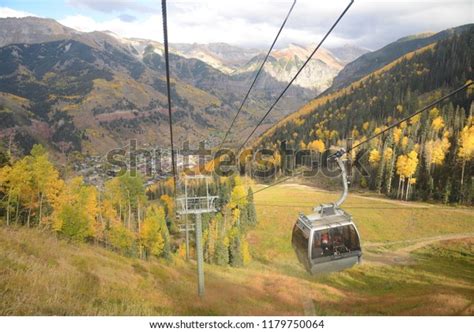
42	275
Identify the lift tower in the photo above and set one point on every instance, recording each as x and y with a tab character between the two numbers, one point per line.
196	200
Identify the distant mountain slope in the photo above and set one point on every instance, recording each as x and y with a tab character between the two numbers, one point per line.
282	64
222	56
388	94
348	53
32	30
69	86
90	92
372	61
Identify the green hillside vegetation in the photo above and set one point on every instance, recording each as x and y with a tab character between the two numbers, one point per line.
429	157
120	216
44	274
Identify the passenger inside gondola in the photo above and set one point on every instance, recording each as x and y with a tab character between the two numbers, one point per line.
337	241
326	244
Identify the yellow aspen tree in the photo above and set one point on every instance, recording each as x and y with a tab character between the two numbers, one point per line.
319	133
317	145
115	195
397	134
404	141
388	152
374	157
466	146
416	147
415	119
437	124
238	196
355	133
92	208
118	235
434	112
400	169
277	160
168	201
75	217
410	168
43	174
6	189
152	235
435	151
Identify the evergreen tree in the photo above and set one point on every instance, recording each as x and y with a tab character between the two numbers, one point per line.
235	251
251	212
424	183
222	252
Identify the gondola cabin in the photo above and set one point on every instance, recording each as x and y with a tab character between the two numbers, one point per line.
327	240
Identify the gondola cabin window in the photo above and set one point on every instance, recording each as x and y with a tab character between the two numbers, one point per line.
301	244
334	241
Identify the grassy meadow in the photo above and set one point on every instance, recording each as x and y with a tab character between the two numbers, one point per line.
418	260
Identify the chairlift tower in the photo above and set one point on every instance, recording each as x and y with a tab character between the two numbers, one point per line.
195	201
186	228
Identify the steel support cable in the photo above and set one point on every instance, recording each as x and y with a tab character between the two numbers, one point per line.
168	88
297	74
257	75
421	110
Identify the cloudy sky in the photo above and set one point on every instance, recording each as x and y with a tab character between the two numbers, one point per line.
253	23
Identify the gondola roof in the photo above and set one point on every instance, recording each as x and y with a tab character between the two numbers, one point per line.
326	216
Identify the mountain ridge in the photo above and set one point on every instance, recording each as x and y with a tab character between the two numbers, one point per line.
372	61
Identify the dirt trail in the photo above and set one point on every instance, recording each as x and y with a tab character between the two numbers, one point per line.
402	255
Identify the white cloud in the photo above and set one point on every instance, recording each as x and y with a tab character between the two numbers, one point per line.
108	6
254	23
150	28
82	23
8	12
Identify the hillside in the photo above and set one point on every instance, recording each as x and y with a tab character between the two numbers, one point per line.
89	92
372	61
86	92
408	268
436	144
